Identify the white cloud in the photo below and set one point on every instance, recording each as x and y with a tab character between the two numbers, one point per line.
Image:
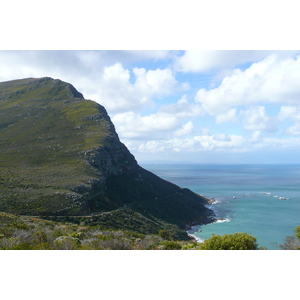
207	60
287	111
273	80
165	123
118	94
185	130
257	119
219	143
133	125
159	82
293	130
194	144
222	137
229	116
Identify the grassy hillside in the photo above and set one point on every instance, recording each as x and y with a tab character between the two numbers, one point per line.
60	156
44	126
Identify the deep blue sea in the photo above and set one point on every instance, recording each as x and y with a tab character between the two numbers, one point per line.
247	197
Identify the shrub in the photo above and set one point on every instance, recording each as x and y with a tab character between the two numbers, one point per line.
22	246
290	243
236	241
171	245
115	244
190	246
166	234
66	243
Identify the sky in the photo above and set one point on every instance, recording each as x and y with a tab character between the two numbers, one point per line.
193	106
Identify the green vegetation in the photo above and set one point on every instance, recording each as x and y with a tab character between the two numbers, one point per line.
30	233
44	128
236	241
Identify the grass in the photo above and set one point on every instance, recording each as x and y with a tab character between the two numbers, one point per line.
43	131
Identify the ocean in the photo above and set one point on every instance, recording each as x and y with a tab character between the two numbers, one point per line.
262	200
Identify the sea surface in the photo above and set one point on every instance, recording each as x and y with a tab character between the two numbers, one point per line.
262	200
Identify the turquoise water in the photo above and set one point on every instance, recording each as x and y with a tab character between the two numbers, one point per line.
247	197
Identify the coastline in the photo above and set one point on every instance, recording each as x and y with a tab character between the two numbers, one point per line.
196	228
210	219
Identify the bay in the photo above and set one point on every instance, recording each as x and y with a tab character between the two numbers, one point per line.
262	200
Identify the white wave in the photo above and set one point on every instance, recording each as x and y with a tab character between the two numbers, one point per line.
198	240
222	220
215	202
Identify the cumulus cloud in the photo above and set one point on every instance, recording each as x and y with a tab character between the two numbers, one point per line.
257	119
287	111
272	80
118	93
229	116
170	120
166	122
133	125
185	130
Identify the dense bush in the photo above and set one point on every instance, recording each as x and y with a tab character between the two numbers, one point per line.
171	245
236	241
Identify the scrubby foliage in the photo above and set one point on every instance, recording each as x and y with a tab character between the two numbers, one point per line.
43	129
292	242
30	233
236	241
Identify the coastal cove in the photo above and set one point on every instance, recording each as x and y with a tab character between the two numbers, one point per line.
262	200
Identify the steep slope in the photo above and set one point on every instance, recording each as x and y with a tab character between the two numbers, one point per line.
60	155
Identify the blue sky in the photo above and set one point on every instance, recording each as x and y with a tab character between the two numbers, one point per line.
184	106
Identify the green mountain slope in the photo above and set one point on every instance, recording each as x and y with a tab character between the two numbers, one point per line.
60	156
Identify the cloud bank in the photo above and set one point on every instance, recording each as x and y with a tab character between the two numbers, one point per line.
160	105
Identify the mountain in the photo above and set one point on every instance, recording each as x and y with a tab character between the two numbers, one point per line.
61	156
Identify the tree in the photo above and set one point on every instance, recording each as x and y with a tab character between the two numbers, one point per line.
236	241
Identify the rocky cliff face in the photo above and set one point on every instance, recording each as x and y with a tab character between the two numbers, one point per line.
60	155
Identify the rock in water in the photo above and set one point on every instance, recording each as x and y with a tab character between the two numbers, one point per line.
60	155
